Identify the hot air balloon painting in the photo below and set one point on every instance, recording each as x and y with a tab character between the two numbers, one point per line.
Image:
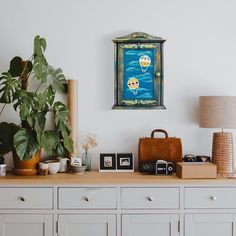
138	74
138	71
133	85
144	62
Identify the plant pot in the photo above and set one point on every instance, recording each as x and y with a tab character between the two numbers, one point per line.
26	167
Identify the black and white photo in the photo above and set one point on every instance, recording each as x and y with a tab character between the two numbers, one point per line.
125	162
107	161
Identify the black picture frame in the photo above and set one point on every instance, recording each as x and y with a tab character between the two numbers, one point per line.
125	162
107	162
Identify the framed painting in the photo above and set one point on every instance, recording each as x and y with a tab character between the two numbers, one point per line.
138	72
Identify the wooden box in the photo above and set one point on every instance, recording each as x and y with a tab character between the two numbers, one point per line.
196	170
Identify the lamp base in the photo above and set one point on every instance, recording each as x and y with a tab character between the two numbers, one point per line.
222	152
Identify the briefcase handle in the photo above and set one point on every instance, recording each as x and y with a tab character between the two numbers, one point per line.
160	131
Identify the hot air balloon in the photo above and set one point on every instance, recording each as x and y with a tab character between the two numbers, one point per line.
133	85
144	62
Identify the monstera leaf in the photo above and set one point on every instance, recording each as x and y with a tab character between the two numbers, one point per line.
7	131
25	144
62	124
45	99
58	80
51	143
39	124
39	45
17	66
9	86
40	69
40	65
61	117
67	141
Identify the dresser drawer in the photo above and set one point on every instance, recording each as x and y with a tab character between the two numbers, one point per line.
87	198
26	198
150	198
210	197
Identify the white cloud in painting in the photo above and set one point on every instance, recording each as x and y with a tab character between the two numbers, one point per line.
138	52
145	95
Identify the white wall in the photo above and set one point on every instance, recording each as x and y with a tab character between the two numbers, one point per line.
199	59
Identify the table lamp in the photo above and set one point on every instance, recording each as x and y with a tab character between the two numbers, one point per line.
220	112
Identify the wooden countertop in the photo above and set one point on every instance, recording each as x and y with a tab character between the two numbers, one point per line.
97	178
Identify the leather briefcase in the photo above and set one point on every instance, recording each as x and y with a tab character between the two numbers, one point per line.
153	149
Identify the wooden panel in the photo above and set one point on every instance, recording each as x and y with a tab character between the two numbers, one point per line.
87	198
210	197
26	225
87	225
26	198
150	198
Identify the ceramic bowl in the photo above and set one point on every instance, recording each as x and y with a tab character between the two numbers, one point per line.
53	167
77	169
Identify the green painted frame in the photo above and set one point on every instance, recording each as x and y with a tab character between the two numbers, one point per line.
138	40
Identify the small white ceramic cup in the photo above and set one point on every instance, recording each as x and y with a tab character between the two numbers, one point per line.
53	167
63	164
2	169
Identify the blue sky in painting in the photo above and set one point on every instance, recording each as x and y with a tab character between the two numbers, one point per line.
132	69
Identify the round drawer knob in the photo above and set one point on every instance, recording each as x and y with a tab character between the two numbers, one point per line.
150	199
22	199
213	198
87	199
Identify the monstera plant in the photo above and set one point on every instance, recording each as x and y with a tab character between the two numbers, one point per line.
32	103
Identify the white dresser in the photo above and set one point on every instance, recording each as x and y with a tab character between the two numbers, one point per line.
112	204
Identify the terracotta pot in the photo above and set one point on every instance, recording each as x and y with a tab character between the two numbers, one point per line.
26	167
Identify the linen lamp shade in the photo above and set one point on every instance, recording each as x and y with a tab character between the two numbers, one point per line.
220	112
217	112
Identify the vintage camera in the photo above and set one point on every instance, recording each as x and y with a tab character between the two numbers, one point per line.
164	167
203	158
189	158
193	158
159	167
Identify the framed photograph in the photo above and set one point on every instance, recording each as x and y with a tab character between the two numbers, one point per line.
107	162
138	72
125	162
